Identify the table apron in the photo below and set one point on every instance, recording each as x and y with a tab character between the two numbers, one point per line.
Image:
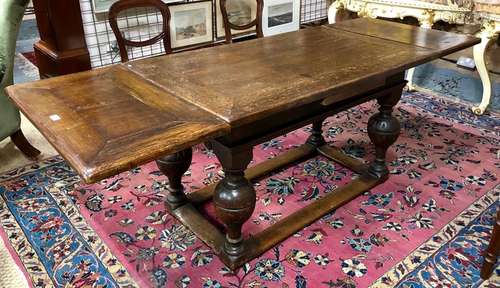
281	123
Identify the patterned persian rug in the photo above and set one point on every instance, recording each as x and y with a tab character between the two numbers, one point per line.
425	227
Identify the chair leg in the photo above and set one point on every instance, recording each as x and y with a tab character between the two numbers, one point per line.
491	254
22	143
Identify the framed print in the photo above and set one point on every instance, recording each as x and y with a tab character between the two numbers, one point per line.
190	23
280	16
239	12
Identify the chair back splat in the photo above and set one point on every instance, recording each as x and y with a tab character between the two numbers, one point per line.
257	22
123	5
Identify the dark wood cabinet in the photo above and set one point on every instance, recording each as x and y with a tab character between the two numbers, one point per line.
62	48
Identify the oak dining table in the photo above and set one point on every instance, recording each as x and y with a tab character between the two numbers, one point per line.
111	119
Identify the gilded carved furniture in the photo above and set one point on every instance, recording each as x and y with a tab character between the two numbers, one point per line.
142	110
123	5
428	12
11	15
489	33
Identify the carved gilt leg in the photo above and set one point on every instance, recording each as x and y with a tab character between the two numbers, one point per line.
426	23
383	129
493	250
234	196
487	35
174	166
409	78
334	10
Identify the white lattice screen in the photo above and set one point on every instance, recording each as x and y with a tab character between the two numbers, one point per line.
142	25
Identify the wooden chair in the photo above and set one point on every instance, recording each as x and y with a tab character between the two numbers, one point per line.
491	254
123	5
257	22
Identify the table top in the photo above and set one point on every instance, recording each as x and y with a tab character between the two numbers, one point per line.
249	80
111	119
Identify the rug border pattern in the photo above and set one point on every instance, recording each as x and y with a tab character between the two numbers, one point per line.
101	250
428	248
23	248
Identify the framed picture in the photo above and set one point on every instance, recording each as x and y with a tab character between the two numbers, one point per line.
239	12
280	16
191	23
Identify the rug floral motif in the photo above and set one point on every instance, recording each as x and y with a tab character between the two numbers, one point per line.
425	227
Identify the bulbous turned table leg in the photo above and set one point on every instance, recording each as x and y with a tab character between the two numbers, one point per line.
383	129
316	138
234	196
493	250
174	166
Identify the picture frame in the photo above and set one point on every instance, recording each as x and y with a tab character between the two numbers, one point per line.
280	16
245	10
191	23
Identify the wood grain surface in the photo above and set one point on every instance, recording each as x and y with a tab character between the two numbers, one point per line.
109	120
246	81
